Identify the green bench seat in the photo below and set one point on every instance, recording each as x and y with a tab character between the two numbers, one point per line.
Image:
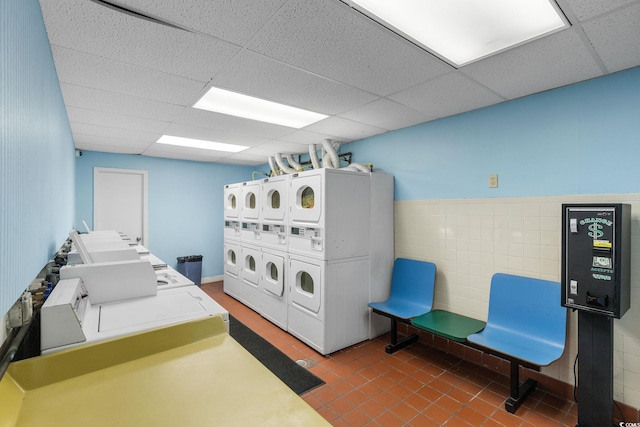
453	326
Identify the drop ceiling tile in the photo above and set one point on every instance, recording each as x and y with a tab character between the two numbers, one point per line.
266	78
585	9
446	95
333	40
224	122
121	121
344	129
89	142
305	137
557	60
243	162
270	148
112	133
247	158
387	114
235	21
112	102
108	148
213	135
131	40
185	153
616	38
191	156
92	71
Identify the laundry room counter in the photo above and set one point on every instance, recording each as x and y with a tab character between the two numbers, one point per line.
190	374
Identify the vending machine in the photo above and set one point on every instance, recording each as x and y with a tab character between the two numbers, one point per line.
596	257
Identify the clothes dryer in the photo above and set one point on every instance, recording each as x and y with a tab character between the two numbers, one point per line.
274	212
250	270
250	208
232	258
250	211
275	192
232	203
273	302
328	301
329	214
232	229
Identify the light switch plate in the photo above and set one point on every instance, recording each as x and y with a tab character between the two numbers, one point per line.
493	181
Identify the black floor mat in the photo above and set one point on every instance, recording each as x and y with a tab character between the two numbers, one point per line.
299	379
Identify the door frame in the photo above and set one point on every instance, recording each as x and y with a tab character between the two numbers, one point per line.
145	196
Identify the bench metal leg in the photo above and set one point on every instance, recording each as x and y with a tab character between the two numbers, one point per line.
398	344
518	392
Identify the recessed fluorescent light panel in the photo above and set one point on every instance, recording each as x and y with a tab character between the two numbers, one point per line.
463	31
236	104
199	143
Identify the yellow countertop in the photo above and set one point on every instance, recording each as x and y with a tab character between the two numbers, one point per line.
190	374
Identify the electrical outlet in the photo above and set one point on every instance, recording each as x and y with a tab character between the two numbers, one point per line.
493	181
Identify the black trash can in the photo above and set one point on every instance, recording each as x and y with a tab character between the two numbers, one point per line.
191	267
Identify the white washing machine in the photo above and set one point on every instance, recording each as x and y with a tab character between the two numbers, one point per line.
329	214
232	258
250	271
274	212
170	278
328	301
273	302
69	319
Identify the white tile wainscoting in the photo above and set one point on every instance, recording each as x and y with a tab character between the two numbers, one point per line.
471	239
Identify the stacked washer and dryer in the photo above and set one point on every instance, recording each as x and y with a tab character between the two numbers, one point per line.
310	250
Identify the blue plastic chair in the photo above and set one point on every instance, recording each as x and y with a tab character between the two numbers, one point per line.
526	325
412	285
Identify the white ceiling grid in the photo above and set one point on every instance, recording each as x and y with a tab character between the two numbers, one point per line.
126	81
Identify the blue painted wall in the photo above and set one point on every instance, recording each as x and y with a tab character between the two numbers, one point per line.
185	203
579	139
36	151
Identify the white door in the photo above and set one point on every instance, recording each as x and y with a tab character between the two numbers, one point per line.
120	202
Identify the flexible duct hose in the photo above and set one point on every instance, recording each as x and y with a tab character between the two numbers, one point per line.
313	155
272	165
357	167
283	166
297	166
333	161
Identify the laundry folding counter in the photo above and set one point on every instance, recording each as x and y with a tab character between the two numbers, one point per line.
189	374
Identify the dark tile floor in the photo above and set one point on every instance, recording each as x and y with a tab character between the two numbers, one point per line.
417	386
